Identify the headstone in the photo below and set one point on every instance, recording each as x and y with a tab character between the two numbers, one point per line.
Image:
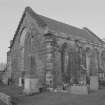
27	86
94	85
34	85
20	82
80	90
31	85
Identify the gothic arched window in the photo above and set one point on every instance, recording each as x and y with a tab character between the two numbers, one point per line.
22	37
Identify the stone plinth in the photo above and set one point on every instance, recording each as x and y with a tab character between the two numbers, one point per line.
81	90
94	85
31	85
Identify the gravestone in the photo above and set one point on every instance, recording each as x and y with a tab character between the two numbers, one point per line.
31	85
94	85
20	82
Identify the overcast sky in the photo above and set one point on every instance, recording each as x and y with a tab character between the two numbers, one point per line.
80	13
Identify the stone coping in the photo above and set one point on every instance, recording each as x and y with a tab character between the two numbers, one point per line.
8	100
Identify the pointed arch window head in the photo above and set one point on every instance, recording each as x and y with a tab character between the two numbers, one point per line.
23	36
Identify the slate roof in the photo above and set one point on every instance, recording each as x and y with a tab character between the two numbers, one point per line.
57	26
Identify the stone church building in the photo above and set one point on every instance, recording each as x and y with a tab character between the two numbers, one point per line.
50	53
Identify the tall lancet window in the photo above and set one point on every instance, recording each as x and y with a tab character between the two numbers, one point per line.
23	36
66	61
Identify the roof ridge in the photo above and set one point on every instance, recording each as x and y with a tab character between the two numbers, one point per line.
60	22
42	22
89	31
57	26
34	15
39	18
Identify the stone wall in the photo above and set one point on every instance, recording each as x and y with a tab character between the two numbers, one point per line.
28	52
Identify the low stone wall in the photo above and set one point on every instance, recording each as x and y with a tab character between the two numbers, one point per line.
5	98
81	90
